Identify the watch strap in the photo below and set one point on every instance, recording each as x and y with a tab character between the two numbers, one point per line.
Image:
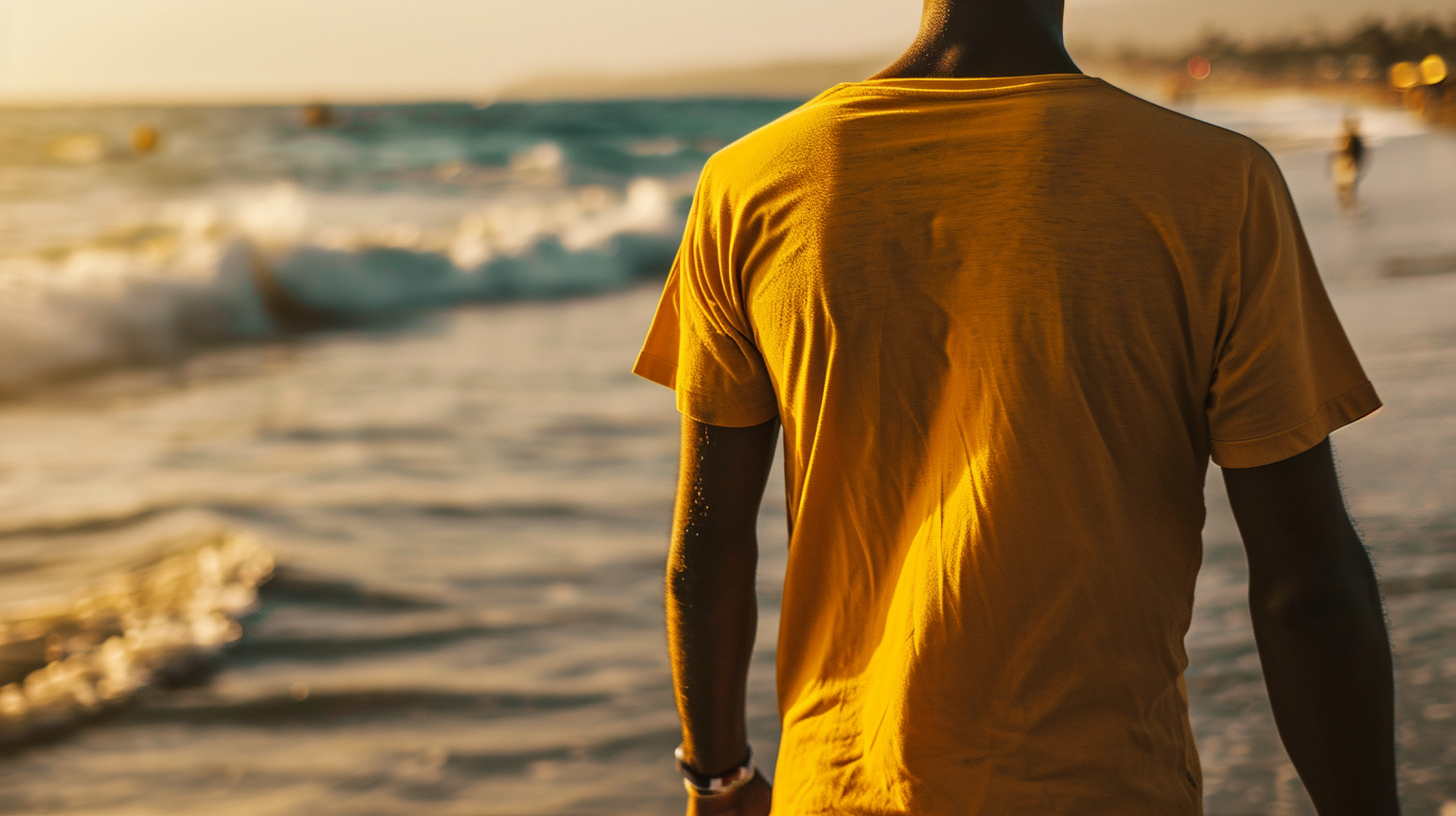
702	785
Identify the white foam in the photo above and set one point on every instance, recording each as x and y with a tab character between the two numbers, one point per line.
111	640
176	273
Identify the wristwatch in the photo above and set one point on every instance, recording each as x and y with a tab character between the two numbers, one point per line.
701	785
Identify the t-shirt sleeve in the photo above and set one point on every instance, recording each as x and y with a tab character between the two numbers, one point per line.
1286	375
701	343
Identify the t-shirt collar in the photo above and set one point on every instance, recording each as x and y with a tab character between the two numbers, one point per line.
932	86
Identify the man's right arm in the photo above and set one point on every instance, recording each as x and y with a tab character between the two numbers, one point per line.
1320	632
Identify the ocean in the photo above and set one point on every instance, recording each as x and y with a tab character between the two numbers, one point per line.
325	487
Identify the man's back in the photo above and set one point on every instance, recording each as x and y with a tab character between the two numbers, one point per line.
1004	323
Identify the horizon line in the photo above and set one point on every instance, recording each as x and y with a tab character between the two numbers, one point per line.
775	79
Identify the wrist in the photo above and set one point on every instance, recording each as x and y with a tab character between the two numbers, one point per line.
700	784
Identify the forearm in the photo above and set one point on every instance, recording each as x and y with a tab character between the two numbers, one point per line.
712	605
712	616
1327	665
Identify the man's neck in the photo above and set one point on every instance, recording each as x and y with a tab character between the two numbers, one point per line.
986	38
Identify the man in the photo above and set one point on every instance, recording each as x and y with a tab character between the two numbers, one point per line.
1349	161
1005	313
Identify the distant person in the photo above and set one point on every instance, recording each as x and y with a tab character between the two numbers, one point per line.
1349	163
1005	313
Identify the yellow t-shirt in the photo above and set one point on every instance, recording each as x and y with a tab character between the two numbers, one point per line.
1005	323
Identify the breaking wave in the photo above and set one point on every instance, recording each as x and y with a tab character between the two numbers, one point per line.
66	659
199	277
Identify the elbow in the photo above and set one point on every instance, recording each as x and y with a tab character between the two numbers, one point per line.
717	543
1293	606
685	580
1317	604
712	564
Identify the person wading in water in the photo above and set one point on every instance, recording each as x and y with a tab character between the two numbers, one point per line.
1349	163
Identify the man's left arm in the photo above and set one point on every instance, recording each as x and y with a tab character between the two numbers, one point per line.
712	603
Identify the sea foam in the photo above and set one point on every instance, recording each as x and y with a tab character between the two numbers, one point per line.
65	659
255	265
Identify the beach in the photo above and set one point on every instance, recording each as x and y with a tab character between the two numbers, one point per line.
409	560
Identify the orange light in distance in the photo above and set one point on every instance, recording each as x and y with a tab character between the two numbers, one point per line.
1433	70
1405	75
1199	67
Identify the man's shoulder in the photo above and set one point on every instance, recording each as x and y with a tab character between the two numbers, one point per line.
1152	124
801	144
781	146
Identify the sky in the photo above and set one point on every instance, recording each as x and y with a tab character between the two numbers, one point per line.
284	50
116	48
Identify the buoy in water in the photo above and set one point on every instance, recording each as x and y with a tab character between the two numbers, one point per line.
144	139
317	115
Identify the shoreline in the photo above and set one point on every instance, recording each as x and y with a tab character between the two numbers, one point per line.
1434	105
